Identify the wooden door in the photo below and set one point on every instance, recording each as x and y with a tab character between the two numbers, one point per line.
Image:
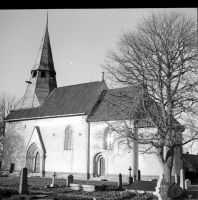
37	163
102	167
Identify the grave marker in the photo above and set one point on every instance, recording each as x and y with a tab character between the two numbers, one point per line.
70	180
53	180
138	175
11	167
88	188
134	177
130	179
176	179
23	187
75	186
162	188
120	181
182	179
187	183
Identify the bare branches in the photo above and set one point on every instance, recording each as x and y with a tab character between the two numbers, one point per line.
7	103
160	57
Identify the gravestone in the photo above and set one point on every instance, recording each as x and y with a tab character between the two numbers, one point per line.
23	187
176	179
70	180
53	180
182	179
88	188
174	190
187	183
142	186
11	168
130	179
120	181
162	188
75	186
138	175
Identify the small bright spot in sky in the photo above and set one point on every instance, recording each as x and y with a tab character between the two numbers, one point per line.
71	63
63	62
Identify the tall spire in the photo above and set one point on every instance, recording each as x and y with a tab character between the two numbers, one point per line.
43	76
47	21
44	59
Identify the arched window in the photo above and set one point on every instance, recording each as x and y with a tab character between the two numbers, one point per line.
68	138
34	74
108	139
43	74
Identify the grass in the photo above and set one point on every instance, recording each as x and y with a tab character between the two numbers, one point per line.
39	189
105	190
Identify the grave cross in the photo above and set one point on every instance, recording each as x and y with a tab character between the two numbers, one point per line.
130	178
130	171
53	179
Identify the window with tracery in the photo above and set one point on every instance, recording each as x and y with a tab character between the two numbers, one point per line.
68	138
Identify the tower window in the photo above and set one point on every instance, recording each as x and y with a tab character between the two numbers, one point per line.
43	74
51	76
34	74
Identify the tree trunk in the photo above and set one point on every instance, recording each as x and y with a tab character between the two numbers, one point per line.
167	163
167	169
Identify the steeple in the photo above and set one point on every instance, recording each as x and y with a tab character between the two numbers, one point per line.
43	76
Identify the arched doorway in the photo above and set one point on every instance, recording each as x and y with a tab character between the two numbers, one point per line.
99	165
33	158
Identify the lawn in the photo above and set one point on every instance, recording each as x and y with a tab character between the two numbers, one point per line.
105	190
39	189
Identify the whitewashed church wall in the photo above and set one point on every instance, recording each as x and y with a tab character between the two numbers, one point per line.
116	160
149	166
53	134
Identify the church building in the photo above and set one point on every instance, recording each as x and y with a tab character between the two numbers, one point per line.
65	129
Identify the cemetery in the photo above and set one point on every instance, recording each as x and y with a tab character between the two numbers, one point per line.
77	141
23	186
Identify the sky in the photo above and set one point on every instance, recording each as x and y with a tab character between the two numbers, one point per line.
79	39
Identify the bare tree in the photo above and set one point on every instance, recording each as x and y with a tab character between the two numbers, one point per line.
7	103
160	59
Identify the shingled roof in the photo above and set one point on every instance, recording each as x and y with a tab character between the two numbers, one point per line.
116	104
75	99
124	104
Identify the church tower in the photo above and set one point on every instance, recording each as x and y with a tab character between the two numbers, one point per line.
43	76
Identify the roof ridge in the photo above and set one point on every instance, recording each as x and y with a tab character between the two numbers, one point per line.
79	84
127	87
